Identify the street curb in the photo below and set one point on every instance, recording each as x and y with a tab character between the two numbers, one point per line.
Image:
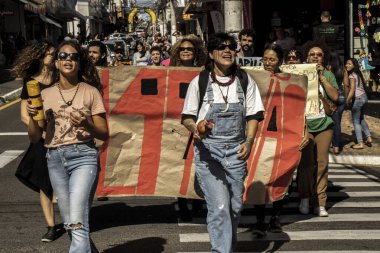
366	160
10	96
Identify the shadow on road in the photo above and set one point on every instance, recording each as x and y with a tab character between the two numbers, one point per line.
120	214
149	244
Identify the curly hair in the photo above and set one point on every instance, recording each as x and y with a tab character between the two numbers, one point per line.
316	43
200	54
87	72
29	61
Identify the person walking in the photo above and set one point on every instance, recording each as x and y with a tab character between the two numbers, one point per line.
75	116
188	52
221	156
313	168
357	99
36	62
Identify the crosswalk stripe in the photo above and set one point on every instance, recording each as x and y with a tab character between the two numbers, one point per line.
309	251
294	236
357	176
8	156
294	219
355	184
347	194
13	133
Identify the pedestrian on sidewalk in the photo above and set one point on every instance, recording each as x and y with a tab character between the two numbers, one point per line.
356	100
221	156
335	65
36	62
75	116
313	168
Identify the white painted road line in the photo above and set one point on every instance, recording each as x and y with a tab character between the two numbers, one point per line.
347	194
354	184
298	218
294	236
13	133
8	156
355	176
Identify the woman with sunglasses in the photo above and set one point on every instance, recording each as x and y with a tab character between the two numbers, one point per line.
141	55
221	156
36	62
357	99
313	168
75	116
188	52
293	57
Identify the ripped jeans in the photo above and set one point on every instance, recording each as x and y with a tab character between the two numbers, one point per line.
73	171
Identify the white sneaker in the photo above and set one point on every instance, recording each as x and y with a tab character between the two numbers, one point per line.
304	206
321	211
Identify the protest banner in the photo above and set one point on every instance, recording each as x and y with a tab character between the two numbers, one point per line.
143	155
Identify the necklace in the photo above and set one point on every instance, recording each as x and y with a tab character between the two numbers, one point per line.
68	103
213	78
225	98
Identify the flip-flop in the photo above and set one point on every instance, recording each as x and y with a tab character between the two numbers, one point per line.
357	146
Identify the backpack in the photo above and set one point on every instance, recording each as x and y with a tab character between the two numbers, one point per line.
202	83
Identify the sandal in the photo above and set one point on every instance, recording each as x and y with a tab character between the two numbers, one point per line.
368	141
358	146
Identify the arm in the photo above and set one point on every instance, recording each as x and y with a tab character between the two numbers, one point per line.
346	83
245	148
189	123
331	91
351	91
24	116
96	125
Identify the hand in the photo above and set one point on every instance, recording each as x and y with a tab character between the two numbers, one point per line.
197	136
79	119
320	69
30	109
305	141
244	151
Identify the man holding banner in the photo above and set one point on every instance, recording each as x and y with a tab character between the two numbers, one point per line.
233	109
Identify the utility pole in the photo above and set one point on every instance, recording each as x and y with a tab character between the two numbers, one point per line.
233	16
173	22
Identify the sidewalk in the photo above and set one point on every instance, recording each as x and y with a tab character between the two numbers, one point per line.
10	91
368	155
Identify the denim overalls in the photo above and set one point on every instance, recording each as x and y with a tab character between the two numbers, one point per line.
220	174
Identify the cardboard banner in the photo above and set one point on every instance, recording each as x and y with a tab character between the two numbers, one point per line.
312	103
249	61
143	155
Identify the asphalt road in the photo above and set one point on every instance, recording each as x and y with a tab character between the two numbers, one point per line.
150	224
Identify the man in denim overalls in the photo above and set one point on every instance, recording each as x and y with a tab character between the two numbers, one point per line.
221	155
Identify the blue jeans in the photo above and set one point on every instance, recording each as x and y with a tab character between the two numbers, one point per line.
337	117
221	177
73	171
357	112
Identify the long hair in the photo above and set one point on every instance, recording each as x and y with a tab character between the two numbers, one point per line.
87	72
29	61
356	70
336	66
143	51
200	54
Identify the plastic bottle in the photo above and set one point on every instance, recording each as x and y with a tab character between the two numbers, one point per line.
34	93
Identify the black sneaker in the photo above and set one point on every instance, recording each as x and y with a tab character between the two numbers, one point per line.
50	235
275	225
259	229
53	233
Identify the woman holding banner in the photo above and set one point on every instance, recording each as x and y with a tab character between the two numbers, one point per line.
221	155
313	167
75	115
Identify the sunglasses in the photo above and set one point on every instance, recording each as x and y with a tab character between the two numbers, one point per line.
318	54
190	49
63	56
224	46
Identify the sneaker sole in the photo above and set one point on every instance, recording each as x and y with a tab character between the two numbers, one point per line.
46	240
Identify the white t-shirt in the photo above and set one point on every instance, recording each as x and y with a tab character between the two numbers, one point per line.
252	103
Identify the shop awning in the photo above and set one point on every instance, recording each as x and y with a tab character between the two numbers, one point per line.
50	21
